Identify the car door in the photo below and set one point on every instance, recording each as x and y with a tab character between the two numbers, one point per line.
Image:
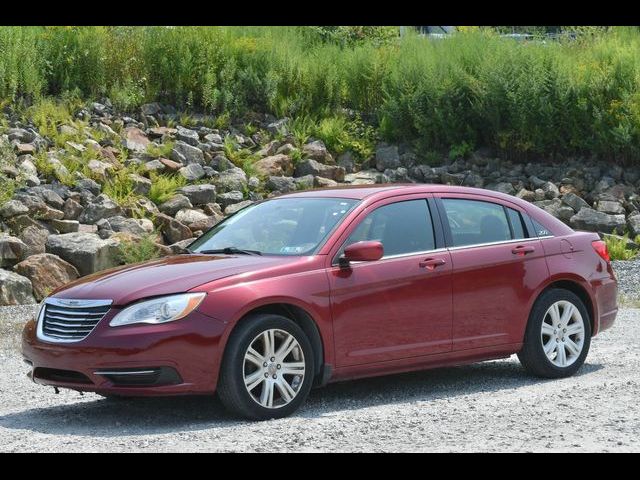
496	268
399	306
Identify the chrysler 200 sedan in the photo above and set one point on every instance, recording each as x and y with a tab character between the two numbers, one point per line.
322	286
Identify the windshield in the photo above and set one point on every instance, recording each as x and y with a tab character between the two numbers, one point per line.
285	226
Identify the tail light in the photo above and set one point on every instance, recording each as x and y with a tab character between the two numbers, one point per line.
601	249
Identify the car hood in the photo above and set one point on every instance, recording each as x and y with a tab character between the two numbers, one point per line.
169	275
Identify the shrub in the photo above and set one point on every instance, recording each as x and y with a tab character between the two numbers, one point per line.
525	100
163	187
138	250
619	249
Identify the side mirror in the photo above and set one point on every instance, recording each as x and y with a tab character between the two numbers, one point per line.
362	252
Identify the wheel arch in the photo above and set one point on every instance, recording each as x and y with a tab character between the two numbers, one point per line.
580	291
303	319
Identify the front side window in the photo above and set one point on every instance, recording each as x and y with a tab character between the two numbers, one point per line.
285	226
402	227
473	222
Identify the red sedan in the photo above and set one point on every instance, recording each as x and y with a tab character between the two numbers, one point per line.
321	286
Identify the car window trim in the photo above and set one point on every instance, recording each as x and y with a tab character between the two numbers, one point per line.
489	244
398	256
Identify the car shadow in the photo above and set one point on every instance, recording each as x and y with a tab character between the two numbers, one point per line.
143	416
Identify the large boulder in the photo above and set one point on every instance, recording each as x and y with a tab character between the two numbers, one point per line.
574	201
15	289
199	194
175	203
231	209
232	179
133	226
13	208
387	156
141	185
187	136
633	222
281	184
192	172
550	190
100	207
592	220
12	250
46	272
135	140
35	238
503	187
190	216
86	251
173	230
317	151
317	169
611	207
275	165
184	153
229	198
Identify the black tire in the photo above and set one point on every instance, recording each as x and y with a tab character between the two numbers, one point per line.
231	387
532	355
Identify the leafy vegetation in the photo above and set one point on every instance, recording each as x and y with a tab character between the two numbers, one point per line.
139	249
619	249
526	100
163	187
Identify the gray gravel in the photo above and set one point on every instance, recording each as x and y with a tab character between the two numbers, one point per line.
628	275
492	406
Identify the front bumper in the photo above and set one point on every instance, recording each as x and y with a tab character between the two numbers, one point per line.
180	357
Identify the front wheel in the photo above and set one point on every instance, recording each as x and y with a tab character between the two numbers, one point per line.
267	369
558	335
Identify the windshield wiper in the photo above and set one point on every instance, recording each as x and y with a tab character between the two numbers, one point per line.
231	251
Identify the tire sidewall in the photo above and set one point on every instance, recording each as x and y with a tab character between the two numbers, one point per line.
535	326
233	365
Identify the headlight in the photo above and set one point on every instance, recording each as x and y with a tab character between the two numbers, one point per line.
159	310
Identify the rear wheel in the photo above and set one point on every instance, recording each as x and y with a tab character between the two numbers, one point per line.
558	335
267	369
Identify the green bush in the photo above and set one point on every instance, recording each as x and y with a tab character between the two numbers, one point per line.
138	250
524	99
618	247
163	187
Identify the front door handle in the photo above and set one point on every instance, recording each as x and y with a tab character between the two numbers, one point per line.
432	263
522	250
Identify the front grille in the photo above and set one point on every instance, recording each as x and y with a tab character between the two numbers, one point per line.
71	321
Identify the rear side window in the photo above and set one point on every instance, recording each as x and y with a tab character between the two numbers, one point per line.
403	227
540	229
472	222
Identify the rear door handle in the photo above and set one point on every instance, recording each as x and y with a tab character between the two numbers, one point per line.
432	263
522	250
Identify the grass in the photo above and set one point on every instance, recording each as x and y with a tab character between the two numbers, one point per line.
8	186
138	250
617	247
162	150
163	187
525	100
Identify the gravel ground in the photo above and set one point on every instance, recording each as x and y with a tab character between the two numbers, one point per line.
492	406
628	275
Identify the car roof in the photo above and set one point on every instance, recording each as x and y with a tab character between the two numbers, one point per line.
373	193
361	192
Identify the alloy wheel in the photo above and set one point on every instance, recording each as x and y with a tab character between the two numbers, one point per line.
562	333
274	368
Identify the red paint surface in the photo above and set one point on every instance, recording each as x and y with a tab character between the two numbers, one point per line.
445	307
